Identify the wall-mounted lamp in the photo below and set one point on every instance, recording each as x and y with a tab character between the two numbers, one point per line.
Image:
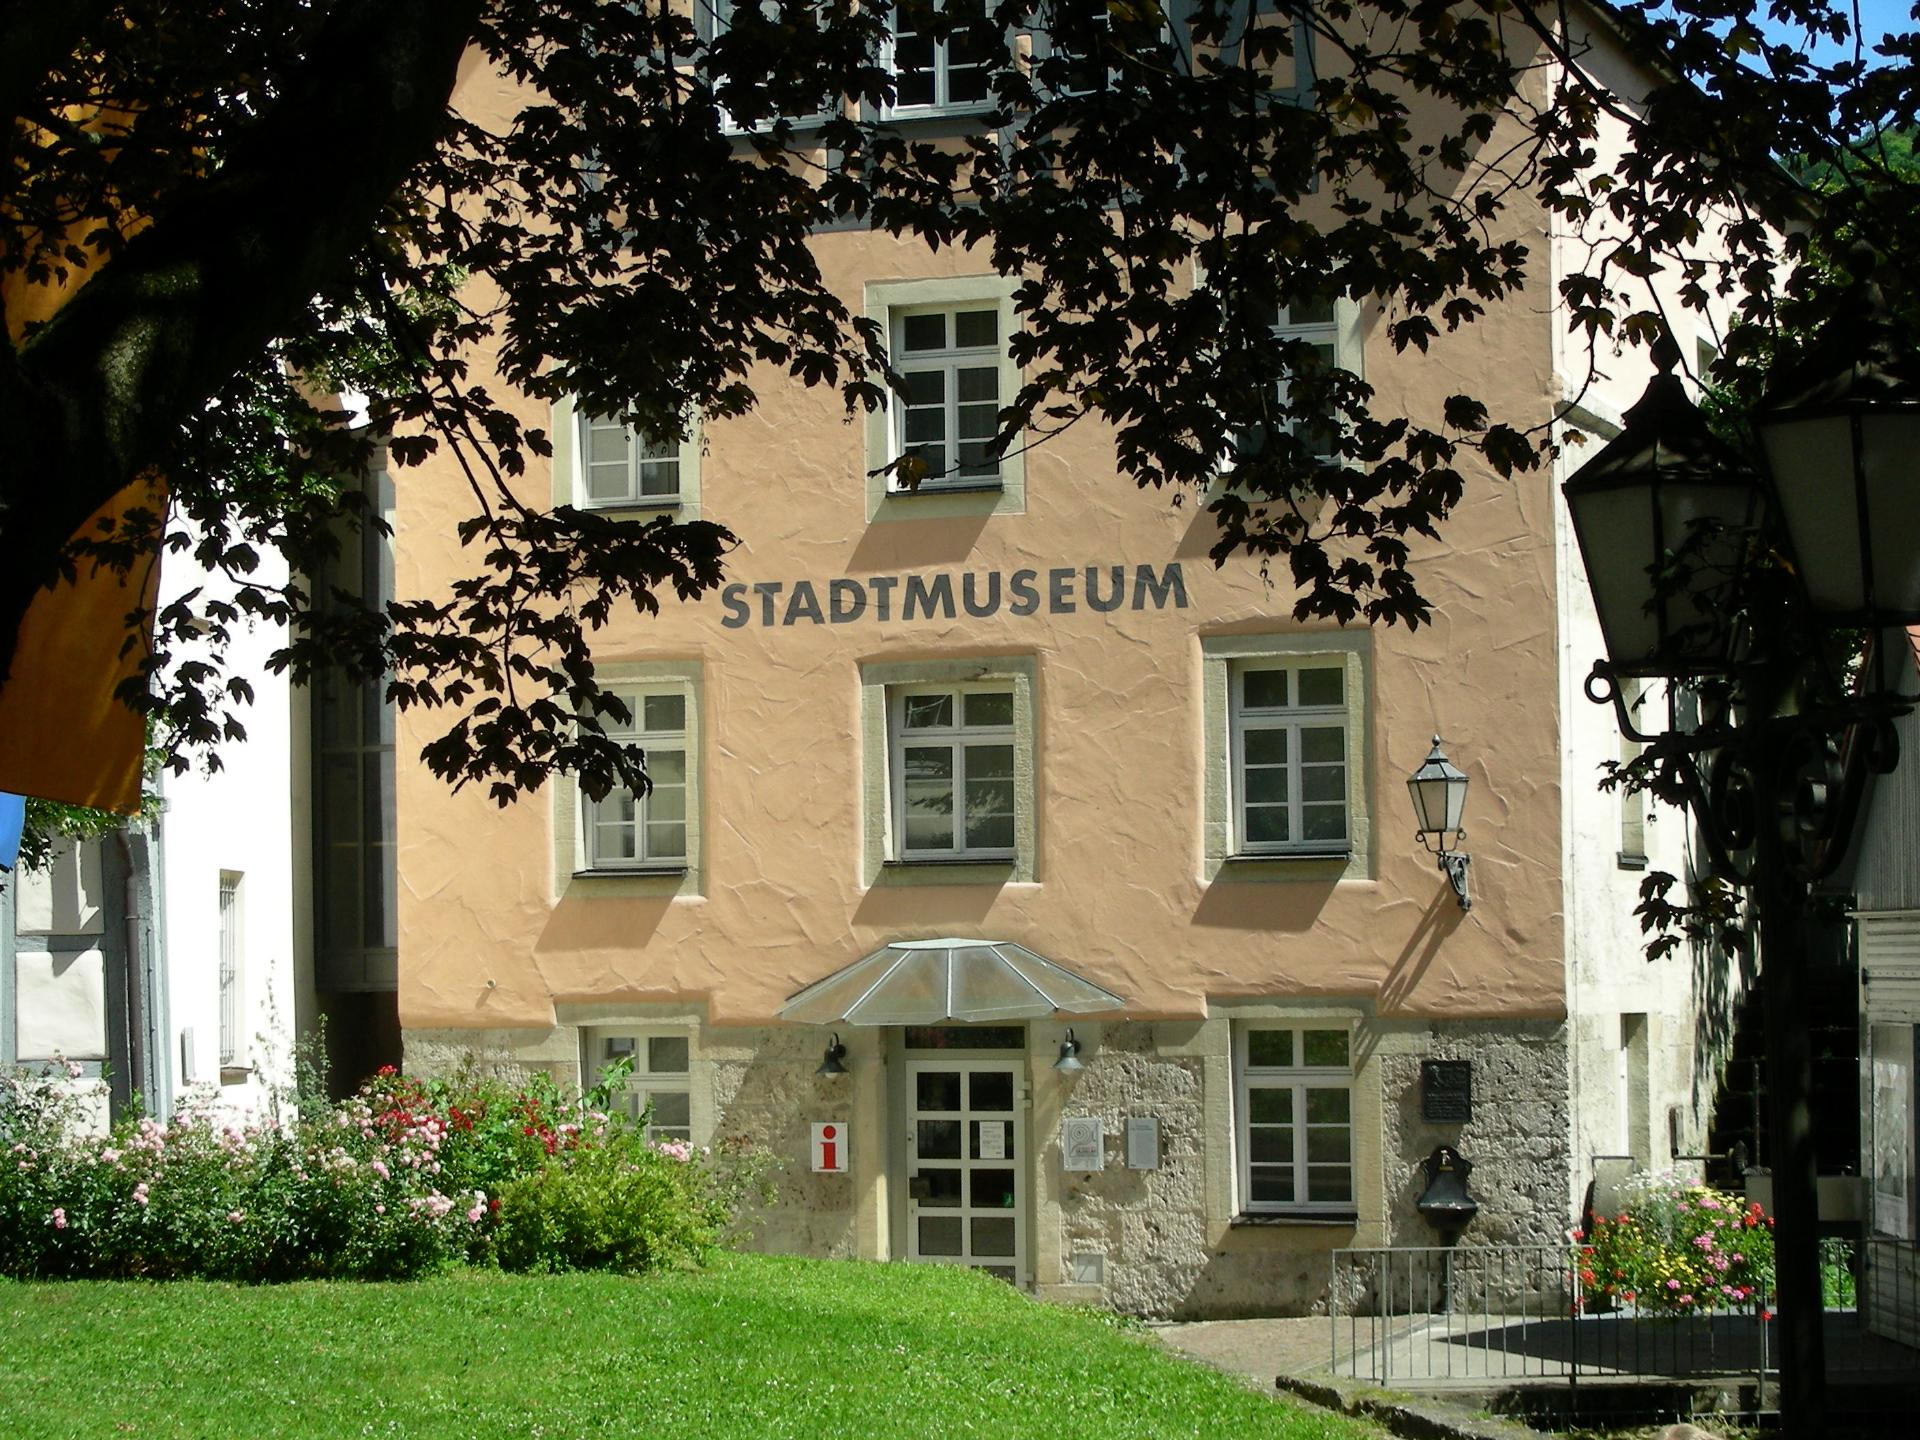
1069	1060
836	1054
1439	793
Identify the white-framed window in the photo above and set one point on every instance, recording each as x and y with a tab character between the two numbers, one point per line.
660	1086
622	466
1087	48
1293	1112
949	358
231	1024
1313	321
954	73
625	831
1290	756
715	18
951	758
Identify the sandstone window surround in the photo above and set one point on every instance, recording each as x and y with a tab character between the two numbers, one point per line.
949	340
604	463
660	1085
1294	1119
1287	787
979	712
651	845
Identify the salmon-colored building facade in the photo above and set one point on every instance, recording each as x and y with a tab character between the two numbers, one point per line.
1021	708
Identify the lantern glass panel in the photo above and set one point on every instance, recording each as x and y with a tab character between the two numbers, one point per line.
1664	560
1829	518
1439	803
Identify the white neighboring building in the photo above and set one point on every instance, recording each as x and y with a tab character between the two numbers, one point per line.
1646	1038
226	885
164	958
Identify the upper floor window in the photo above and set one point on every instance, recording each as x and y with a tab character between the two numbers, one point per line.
1088	46
953	772
1313	322
950	72
717	17
949	359
622	465
629	831
1290	756
1294	1108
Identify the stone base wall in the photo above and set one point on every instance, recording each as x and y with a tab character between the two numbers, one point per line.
1517	1140
1148	1226
1167	1241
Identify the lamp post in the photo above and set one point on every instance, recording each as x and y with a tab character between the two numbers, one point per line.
1743	586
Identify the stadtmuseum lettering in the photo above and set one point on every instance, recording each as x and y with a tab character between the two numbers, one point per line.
943	595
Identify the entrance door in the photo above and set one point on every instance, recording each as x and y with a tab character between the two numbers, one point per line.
965	1198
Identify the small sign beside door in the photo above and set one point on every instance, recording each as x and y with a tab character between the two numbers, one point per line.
829	1147
1083	1143
1143	1142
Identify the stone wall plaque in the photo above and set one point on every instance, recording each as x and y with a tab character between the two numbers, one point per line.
1446	1092
1143	1142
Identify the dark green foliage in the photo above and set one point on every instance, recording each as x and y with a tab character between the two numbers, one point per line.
278	190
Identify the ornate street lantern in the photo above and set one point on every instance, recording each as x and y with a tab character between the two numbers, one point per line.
1439	792
1667	517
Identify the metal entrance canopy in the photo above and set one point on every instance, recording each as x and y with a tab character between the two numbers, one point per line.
928	982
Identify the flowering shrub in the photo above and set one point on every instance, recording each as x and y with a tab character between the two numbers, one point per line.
402	1178
629	1205
1676	1249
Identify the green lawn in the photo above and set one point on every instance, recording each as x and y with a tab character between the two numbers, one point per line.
754	1347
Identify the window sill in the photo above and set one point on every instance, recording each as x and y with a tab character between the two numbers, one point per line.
910	874
993	487
1268	857
620	507
1630	861
942	861
973	109
235	1074
1345	1219
615	872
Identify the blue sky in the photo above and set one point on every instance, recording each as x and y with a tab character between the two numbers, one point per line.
1877	17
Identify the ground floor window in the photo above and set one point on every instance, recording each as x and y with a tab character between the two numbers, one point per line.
660	1085
1293	1108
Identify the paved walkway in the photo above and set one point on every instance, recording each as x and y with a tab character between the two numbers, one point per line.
1260	1349
1301	1350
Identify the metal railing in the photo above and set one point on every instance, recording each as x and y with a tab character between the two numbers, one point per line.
1432	1316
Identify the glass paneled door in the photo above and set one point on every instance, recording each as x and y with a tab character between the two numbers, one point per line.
965	1159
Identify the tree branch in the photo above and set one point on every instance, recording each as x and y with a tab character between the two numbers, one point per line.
225	268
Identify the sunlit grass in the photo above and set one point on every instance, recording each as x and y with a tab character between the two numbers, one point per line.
753	1347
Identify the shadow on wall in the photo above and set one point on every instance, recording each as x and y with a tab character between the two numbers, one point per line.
1439	920
921	911
1290	907
583	921
916	544
1265	1271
